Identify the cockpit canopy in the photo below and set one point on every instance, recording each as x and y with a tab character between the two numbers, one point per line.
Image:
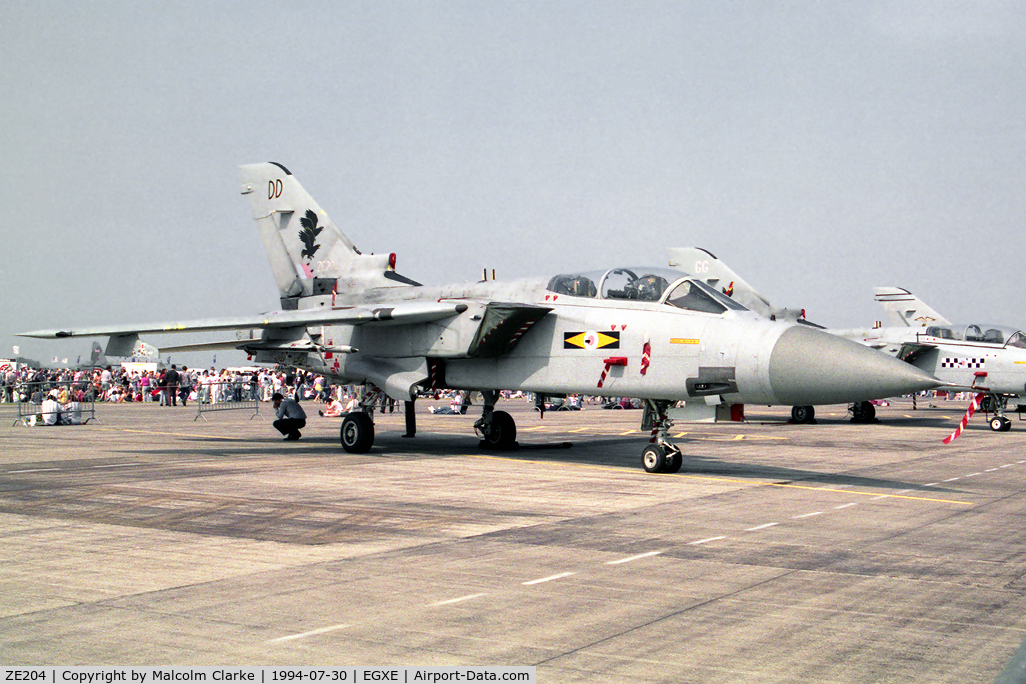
988	334
645	284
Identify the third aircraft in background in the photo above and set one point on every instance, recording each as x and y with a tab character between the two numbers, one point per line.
973	357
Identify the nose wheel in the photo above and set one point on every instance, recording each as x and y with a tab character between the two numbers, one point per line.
863	412
1000	424
803	414
661	455
659	458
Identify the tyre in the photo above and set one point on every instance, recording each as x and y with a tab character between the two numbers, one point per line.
674	460
502	433
357	433
653	458
803	414
863	412
1000	424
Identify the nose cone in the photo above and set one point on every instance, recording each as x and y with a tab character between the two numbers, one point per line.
808	366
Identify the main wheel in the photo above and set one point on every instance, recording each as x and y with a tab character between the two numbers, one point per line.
502	433
357	434
653	458
803	414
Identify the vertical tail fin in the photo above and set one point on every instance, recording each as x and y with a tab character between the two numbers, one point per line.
905	309
308	253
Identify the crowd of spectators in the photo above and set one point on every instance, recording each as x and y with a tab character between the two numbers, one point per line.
178	386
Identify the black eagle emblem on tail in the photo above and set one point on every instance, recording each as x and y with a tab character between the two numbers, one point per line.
308	233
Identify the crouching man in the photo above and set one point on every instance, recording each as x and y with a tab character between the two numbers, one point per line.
291	417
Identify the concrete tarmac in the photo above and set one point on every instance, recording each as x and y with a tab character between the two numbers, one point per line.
780	553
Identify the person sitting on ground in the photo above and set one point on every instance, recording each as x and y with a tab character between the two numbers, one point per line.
334	409
51	409
71	413
291	417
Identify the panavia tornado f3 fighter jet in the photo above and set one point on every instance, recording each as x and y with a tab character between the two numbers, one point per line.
652	333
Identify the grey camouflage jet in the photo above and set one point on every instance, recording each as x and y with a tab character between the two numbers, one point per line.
652	333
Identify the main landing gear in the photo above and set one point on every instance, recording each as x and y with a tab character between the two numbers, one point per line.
357	434
661	455
497	429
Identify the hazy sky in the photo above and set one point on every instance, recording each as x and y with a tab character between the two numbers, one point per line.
818	148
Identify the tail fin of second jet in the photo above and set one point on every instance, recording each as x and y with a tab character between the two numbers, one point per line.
905	309
309	254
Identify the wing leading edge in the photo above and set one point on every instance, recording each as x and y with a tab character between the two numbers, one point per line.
412	312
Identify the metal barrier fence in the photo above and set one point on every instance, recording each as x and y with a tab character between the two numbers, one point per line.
55	403
225	396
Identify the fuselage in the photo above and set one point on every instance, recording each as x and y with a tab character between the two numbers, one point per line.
670	338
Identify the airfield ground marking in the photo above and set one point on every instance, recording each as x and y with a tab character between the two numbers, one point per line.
550	578
703	541
849	492
313	632
806	515
461	599
762	527
847	505
175	434
634	558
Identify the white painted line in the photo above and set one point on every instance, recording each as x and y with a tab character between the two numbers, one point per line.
116	465
847	505
313	632
931	484
882	496
31	470
952	479
990	470
973	474
902	491
634	558
1008	465
761	527
549	578
806	515
458	600
710	539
